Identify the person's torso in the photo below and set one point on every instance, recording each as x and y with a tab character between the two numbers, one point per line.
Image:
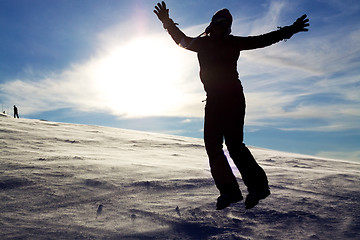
218	64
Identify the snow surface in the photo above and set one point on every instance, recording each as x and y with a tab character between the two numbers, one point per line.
55	176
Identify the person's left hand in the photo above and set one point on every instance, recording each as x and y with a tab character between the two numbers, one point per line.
300	24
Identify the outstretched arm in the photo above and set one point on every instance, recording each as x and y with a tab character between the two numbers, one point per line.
270	38
179	37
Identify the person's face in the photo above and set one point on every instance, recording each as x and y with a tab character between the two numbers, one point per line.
220	29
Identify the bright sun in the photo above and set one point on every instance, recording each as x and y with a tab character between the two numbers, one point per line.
141	78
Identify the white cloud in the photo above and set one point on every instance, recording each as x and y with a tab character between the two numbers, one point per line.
270	20
308	64
146	74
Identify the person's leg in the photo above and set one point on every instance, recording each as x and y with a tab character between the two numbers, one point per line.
253	175
221	171
213	138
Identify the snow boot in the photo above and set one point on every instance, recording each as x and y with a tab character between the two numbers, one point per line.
253	198
226	199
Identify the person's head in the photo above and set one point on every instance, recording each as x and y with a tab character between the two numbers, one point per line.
220	23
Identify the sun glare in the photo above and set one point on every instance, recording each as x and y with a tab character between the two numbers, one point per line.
140	78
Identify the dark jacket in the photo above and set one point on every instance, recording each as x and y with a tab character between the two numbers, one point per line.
218	57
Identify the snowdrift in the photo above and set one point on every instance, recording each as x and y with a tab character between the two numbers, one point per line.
66	181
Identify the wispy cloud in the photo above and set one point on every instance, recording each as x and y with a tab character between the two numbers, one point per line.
143	73
311	76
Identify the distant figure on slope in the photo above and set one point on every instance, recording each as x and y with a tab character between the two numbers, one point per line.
218	53
16	113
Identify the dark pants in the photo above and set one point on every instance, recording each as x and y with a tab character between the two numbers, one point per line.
224	119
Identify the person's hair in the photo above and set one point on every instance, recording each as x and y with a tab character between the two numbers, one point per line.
221	16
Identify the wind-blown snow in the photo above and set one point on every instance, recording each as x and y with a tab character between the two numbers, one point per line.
55	176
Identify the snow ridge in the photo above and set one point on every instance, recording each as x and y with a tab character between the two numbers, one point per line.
68	181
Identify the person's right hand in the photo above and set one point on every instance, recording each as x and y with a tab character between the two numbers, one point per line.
162	12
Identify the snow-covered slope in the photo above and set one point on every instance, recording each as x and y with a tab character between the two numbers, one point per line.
54	177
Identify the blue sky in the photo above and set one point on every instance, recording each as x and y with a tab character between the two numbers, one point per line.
110	62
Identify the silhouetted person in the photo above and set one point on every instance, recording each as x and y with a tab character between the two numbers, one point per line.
218	53
16	113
